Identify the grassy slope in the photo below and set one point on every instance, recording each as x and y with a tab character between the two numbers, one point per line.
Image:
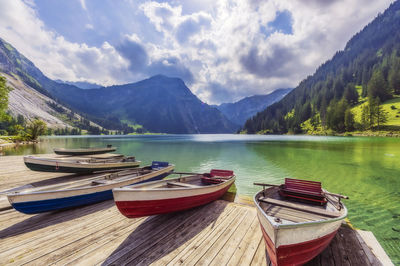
392	113
392	125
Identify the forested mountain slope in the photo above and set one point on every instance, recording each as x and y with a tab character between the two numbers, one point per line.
368	68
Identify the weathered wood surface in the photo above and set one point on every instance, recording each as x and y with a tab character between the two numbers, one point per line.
220	233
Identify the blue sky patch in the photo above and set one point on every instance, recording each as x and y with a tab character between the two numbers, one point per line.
283	23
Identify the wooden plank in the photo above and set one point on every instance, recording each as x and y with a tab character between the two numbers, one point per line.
187	231
251	236
296	213
375	247
367	250
196	251
76	244
228	249
260	257
33	223
180	184
144	240
256	242
206	254
96	254
339	251
48	242
300	207
351	243
280	212
178	256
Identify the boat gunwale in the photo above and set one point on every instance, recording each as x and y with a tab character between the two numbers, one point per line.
71	163
16	193
278	226
157	189
84	149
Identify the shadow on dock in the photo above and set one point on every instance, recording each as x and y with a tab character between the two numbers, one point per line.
161	235
43	220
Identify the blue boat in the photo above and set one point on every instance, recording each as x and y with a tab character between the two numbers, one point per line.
83	192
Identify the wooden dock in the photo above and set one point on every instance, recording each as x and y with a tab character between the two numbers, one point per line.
220	233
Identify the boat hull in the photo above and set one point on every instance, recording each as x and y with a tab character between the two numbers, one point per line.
69	199
298	253
146	203
43	165
296	244
134	209
67	169
83	152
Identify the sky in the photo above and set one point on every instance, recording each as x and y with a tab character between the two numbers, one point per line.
223	50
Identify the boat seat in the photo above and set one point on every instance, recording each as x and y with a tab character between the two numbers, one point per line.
180	184
303	190
300	207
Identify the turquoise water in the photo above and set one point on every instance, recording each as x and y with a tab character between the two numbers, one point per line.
365	169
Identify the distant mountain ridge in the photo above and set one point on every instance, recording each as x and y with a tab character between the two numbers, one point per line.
160	104
238	112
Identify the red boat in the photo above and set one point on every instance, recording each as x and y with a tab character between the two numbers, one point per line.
298	220
172	195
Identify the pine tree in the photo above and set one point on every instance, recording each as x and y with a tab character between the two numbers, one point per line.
377	86
351	94
394	76
349	120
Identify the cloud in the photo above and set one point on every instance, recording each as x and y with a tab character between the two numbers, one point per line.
83	4
191	26
224	50
172	67
134	52
267	65
89	26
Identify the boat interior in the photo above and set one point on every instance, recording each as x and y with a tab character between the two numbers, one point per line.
88	181
188	181
100	158
289	210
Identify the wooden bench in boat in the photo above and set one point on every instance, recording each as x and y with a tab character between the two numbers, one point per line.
303	190
300	207
180	184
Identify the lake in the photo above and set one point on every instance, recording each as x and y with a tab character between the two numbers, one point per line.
367	169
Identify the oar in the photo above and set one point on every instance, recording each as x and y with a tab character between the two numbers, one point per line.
265	185
185	173
336	195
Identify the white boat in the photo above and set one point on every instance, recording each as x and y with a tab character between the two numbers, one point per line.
172	195
79	165
84	151
298	220
87	190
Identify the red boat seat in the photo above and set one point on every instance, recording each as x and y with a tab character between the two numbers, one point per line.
217	172
216	176
303	190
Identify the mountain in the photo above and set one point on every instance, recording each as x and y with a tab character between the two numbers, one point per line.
81	84
242	110
338	96
160	104
31	99
31	104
